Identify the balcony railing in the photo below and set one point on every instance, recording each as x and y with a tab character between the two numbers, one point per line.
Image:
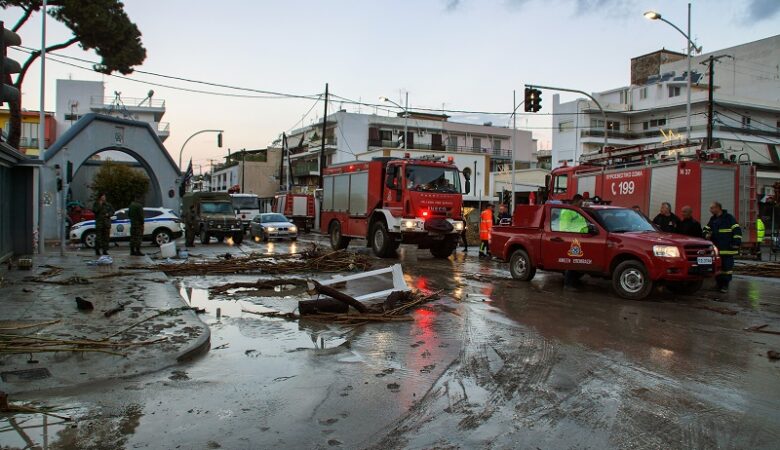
304	169
497	153
129	102
163	127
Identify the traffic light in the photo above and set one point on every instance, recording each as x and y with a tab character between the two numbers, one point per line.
533	100
8	93
219	140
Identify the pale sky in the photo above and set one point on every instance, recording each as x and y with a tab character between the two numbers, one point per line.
464	54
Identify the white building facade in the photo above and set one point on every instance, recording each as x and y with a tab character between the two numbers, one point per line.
353	136
76	98
652	109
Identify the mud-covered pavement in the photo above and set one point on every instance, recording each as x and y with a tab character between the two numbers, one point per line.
493	364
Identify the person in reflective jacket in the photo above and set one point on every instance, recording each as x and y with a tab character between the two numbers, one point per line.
726	234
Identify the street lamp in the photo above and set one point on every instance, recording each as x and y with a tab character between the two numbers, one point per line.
219	141
653	15
406	114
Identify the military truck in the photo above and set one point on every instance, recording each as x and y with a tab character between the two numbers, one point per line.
215	216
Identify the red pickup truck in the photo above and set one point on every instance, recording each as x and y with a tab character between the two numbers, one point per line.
603	241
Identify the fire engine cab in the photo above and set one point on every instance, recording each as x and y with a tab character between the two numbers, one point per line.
393	201
678	173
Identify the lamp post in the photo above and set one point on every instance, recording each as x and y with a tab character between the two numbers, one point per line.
406	114
219	141
652	15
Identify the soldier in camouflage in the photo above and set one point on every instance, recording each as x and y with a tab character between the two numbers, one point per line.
136	215
190	222
103	212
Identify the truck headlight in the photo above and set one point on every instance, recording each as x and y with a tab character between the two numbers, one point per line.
666	251
293	229
458	226
410	224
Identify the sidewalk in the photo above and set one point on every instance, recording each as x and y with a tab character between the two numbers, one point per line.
143	295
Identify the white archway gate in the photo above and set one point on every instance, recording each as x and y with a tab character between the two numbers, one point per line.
95	133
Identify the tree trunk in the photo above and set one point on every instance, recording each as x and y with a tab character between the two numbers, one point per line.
15	123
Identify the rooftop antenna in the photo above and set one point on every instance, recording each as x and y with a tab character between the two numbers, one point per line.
118	107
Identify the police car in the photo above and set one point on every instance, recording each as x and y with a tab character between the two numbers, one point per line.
161	226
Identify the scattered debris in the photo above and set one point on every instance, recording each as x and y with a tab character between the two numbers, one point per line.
772	355
6	407
760	329
114	310
325	305
257	285
766	269
221	347
84	305
337	295
16	344
31	325
312	260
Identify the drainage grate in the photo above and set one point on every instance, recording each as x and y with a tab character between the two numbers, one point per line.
25	375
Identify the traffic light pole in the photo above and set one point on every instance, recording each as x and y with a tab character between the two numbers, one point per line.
603	114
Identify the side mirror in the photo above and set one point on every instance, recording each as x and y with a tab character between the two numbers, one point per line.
467	187
592	229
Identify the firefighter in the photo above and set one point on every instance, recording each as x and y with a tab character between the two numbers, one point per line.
190	220
485	228
571	221
103	212
666	220
760	230
688	225
724	231
136	215
504	217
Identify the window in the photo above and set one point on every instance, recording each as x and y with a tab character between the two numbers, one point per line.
745	122
476	144
149	213
612	125
385	135
561	182
496	144
30	130
121	215
72	117
568	221
643	93
597	124
564	126
653	123
674	91
452	142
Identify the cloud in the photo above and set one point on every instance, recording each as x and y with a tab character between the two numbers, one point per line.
758	10
452	5
605	7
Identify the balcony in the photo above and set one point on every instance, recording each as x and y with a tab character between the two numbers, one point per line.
128	102
495	153
305	169
163	130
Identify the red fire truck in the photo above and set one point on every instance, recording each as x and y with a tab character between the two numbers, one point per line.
393	201
678	173
297	207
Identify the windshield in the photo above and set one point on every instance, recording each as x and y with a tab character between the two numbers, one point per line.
432	179
270	218
244	202
622	220
216	208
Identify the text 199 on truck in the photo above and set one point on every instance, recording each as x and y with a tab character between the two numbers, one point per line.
393	201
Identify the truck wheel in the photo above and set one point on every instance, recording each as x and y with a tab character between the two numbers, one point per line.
89	239
444	249
162	236
381	242
520	266
337	240
238	238
204	236
685	287
630	280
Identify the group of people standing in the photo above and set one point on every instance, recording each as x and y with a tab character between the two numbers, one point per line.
722	229
103	213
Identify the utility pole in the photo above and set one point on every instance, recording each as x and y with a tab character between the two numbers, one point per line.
514	144
322	147
711	96
281	162
243	168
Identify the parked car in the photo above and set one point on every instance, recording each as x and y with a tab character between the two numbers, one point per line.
272	225
161	225
77	212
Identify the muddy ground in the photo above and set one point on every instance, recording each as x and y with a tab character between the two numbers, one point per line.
493	364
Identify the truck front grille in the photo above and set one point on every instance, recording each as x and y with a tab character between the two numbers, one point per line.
694	251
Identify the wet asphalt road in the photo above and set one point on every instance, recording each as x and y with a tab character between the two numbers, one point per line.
494	364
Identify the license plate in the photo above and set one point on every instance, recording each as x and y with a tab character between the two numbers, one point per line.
704	260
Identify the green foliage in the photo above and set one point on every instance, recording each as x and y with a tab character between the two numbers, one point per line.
121	183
